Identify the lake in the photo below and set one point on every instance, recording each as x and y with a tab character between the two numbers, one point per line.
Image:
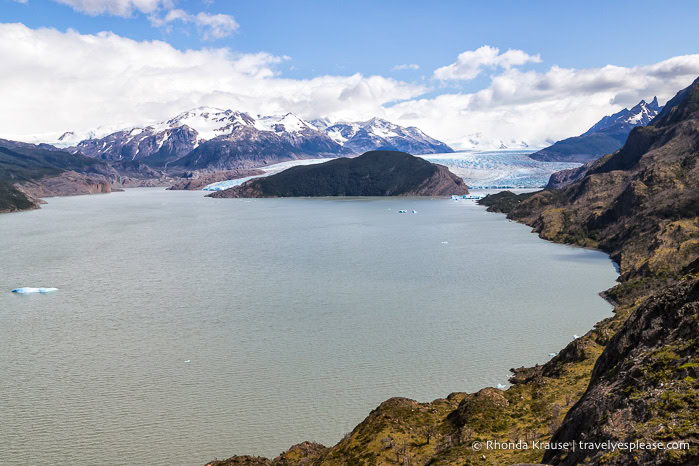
187	328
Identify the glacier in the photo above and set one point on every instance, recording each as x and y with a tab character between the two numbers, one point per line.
479	169
269	170
499	169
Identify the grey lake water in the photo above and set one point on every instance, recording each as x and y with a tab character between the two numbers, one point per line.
187	328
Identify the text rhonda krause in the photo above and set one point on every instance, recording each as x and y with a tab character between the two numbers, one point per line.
583	445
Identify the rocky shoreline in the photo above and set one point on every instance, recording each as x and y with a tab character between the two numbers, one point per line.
633	378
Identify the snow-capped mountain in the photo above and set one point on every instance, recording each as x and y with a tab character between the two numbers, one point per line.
381	134
481	142
164	143
212	139
606	136
640	115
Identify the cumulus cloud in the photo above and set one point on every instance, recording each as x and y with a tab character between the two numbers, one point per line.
211	26
406	67
471	63
116	7
54	81
541	106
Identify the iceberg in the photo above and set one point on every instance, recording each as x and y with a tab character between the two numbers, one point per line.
576	336
501	386
34	290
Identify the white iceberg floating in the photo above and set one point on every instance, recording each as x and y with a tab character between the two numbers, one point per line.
576	337
501	386
445	242
34	290
552	355
414	211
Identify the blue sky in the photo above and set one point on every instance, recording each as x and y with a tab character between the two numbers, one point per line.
333	38
371	37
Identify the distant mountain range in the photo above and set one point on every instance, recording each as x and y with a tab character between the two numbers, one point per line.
378	134
606	136
212	139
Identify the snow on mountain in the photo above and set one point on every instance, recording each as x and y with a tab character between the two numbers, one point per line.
289	123
376	133
606	136
215	138
639	115
481	142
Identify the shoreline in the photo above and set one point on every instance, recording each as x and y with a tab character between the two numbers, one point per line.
460	396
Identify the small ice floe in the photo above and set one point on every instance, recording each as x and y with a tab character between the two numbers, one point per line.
402	211
501	386
28	290
575	337
188	361
553	355
414	211
445	242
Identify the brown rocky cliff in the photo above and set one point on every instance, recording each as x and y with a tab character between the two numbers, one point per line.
644	386
66	184
442	183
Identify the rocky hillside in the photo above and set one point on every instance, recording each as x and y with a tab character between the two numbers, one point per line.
28	172
376	173
640	204
644	386
605	137
633	378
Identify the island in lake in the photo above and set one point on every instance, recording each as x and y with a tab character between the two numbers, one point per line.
374	173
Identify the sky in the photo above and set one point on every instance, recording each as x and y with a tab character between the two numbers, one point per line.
495	71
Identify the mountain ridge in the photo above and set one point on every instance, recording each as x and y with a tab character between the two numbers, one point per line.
210	138
604	137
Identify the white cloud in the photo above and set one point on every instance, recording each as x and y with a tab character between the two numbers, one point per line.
211	26
555	104
471	63
55	81
406	67
22	1
116	7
